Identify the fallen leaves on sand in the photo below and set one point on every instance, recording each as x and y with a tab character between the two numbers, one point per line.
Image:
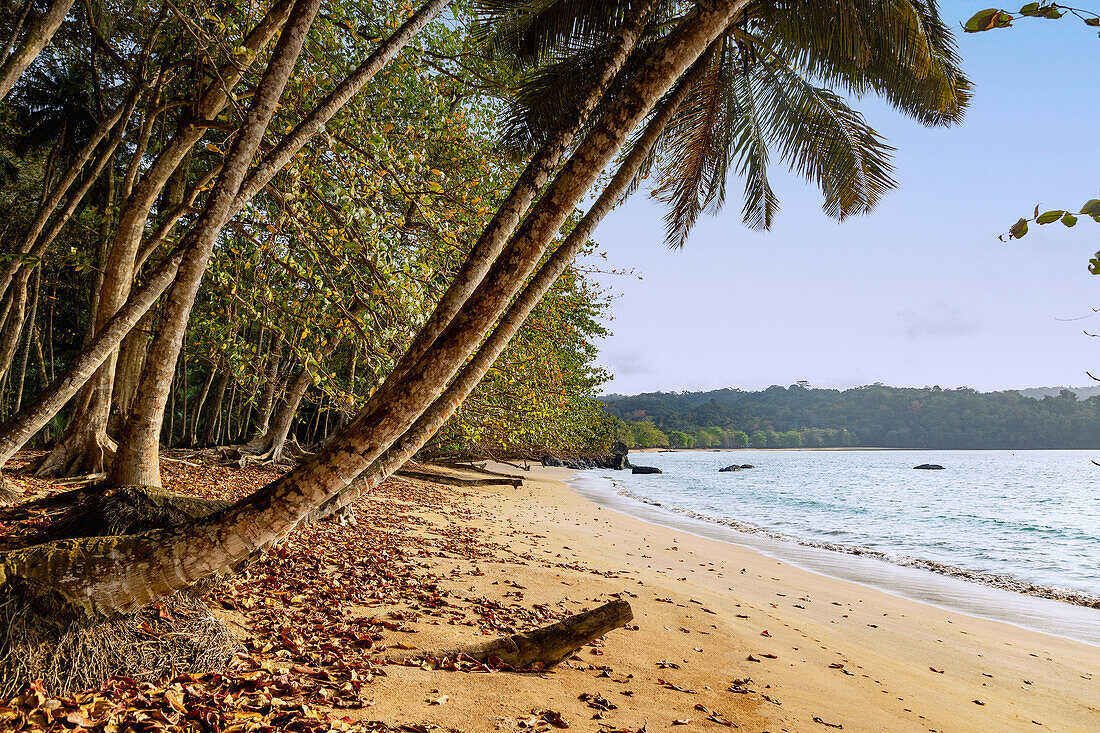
541	720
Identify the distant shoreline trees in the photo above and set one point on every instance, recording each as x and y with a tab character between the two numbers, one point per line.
872	416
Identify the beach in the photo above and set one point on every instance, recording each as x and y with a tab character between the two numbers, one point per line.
752	640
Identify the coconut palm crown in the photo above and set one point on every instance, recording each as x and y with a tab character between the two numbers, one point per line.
776	84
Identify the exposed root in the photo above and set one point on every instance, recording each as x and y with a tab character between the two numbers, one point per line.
74	653
98	512
7	494
76	455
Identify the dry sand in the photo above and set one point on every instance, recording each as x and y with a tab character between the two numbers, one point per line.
815	653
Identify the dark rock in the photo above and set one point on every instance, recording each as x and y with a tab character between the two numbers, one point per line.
644	469
929	467
734	467
551	461
747	465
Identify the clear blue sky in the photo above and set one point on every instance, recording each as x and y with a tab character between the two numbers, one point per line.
920	292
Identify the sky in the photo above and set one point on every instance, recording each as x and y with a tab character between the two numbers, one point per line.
921	291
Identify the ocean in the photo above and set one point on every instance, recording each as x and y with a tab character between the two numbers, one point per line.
1020	520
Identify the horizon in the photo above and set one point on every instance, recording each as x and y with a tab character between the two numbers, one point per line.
843	389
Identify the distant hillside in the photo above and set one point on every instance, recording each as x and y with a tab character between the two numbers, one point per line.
1038	393
873	416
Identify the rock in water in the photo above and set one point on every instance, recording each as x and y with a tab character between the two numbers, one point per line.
734	467
929	467
747	465
645	469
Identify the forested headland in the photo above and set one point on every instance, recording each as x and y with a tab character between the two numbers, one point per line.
871	416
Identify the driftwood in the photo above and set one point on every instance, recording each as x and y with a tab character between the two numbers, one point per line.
440	478
546	646
475	468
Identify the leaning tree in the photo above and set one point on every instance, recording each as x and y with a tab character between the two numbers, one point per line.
701	84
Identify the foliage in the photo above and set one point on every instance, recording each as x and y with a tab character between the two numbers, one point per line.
873	416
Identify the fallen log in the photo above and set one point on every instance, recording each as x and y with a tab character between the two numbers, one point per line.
456	481
543	647
475	468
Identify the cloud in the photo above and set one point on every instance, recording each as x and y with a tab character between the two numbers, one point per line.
939	322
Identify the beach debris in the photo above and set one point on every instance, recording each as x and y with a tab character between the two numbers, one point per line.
765	633
771	699
751	658
978	702
769	656
669	685
597	701
667	665
937	671
682	721
539	719
441	700
826	723
716	717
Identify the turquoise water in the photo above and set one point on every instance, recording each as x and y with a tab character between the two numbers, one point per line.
1027	515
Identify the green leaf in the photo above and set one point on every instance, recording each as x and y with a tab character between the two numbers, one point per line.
1069	219
1094	264
1092	207
1049	216
1031	9
1094	22
1019	229
983	20
1053	13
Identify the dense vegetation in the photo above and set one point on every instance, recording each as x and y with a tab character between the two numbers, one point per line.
876	415
315	289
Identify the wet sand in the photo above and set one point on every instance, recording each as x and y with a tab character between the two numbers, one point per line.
748	638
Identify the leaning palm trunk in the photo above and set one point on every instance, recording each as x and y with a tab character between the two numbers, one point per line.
473	371
113	574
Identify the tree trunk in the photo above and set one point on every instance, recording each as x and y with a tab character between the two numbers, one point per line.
131	360
118	573
213	415
189	435
37	37
87	431
472	373
29	332
272	442
138	459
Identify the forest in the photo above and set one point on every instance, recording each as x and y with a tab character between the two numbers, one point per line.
872	416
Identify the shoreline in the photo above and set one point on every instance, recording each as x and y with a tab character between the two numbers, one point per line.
806	646
994	580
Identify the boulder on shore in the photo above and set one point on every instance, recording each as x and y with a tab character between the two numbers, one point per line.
644	469
929	467
734	467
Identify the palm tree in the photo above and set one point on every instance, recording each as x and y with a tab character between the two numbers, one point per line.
652	59
773	85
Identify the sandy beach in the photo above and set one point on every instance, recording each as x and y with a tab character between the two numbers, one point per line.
727	632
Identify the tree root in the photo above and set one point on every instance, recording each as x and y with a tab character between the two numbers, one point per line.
544	647
77	455
71	653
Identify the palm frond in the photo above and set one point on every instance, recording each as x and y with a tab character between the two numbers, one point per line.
693	149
